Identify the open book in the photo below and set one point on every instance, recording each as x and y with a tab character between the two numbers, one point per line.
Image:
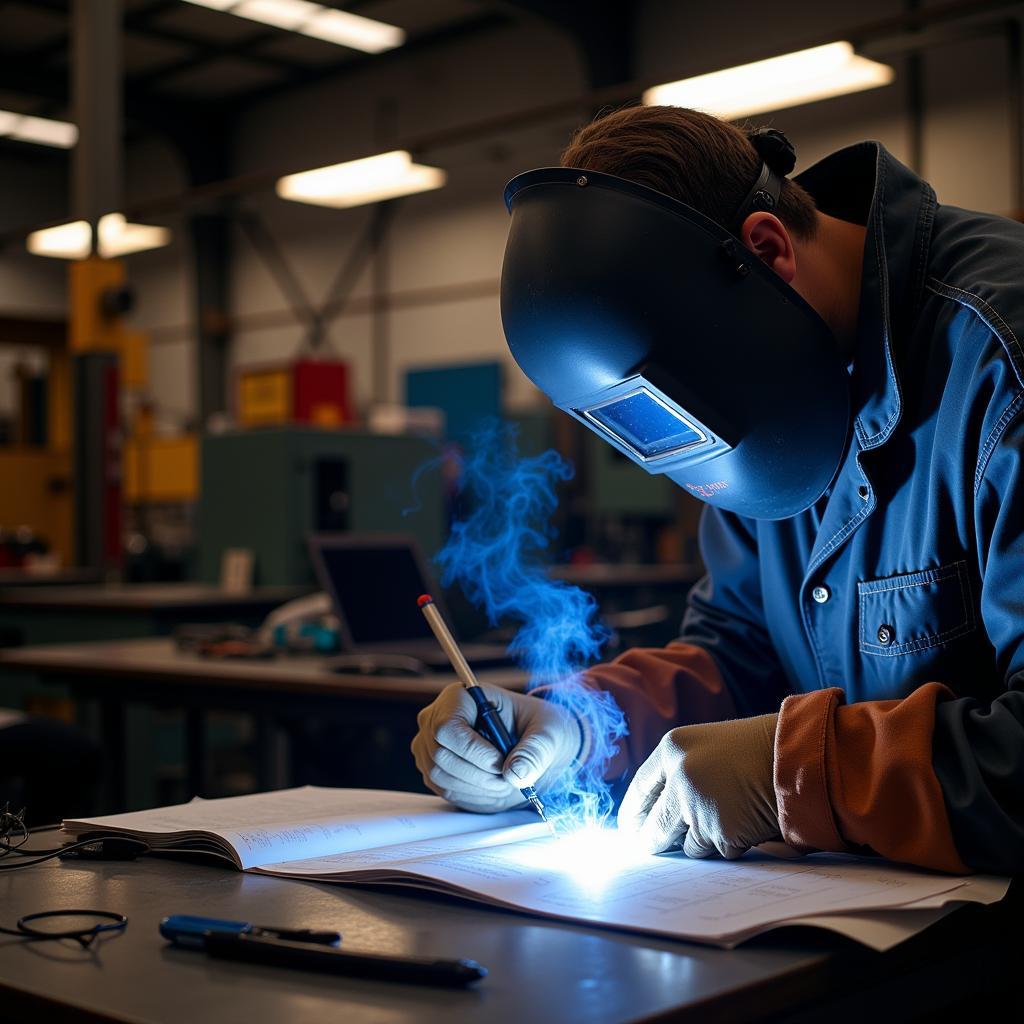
511	860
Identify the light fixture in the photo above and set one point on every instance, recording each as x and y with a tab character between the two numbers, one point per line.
286	14
356	182
311	19
794	78
117	237
67	241
42	130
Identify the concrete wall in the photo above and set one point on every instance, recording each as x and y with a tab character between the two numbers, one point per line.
454	237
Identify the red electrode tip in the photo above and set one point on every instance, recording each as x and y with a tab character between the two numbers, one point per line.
424	599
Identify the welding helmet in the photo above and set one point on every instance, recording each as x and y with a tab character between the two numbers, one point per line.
657	329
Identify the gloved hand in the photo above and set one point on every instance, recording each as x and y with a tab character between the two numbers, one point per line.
459	764
709	786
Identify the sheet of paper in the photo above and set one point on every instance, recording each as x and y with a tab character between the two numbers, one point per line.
878	929
309	821
670	894
884	929
984	889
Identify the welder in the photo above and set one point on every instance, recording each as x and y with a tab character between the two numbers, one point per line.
832	362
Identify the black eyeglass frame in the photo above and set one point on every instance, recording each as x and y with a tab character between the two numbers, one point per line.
83	936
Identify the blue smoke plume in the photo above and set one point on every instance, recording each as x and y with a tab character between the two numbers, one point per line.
498	555
422	470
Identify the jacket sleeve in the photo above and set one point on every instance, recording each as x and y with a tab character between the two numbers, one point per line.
724	664
932	779
860	777
658	688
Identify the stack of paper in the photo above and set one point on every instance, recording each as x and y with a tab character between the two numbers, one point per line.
510	860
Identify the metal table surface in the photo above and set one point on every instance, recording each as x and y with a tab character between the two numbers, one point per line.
149	667
540	972
133	597
63	614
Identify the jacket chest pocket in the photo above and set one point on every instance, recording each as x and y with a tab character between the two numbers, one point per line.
915	611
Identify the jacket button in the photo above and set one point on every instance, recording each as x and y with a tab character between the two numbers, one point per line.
862	492
821	593
886	635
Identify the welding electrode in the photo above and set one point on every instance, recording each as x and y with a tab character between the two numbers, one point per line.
489	722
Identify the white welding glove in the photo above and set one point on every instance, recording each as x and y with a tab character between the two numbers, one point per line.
459	764
709	787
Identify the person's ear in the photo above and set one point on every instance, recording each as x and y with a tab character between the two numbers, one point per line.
766	236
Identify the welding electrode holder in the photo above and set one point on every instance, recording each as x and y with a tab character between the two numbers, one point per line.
490	725
488	722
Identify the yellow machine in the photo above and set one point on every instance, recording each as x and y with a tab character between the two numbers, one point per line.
37	480
39	487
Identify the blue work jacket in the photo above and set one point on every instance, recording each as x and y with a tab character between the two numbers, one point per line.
910	569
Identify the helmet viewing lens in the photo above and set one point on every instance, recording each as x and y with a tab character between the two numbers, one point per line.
648	426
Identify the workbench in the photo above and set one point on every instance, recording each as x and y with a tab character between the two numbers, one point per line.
60	614
154	672
543	972
57	614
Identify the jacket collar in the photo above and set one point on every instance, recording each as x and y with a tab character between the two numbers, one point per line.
866	185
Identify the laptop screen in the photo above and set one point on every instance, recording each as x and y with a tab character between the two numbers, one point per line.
374	585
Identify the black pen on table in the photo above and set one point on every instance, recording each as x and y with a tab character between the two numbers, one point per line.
305	956
191	932
489	722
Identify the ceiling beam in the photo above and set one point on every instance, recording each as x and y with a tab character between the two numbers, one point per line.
301	77
26	74
141	20
60	44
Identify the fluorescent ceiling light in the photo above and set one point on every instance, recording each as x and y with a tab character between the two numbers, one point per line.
352	30
786	81
117	238
42	130
311	19
288	14
356	182
67	241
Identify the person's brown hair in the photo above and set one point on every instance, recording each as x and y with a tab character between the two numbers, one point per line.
698	159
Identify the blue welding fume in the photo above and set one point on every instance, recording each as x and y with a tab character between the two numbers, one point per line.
657	329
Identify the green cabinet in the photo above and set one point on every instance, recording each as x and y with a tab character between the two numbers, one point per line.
268	490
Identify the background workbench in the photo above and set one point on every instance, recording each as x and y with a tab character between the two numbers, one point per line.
46	614
55	614
283	693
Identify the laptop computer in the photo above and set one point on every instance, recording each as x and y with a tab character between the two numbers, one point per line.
373	581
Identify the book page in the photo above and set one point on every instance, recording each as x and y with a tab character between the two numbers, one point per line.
370	864
592	876
306	822
879	929
883	929
599	879
673	895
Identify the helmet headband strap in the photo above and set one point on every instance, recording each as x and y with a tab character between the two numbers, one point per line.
764	195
